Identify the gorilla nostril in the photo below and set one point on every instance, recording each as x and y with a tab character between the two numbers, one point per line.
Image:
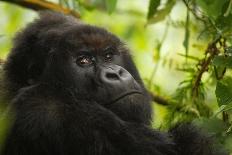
112	76
120	72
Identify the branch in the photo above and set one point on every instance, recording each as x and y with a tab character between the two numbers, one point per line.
198	17
210	53
43	5
159	100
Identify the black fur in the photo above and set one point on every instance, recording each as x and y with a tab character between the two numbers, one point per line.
63	107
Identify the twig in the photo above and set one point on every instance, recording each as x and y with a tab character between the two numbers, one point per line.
201	18
159	100
210	53
43	5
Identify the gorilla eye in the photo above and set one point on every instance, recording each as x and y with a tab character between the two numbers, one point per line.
108	56
85	60
109	53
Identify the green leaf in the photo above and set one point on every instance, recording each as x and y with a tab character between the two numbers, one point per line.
187	34
224	91
223	61
161	14
110	5
153	5
229	50
224	23
219	61
228	143
223	108
228	8
213	8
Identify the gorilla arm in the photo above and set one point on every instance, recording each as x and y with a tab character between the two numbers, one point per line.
44	124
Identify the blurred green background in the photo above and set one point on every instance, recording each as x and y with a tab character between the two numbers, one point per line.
173	43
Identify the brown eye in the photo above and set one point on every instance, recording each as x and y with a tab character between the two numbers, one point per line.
85	60
108	56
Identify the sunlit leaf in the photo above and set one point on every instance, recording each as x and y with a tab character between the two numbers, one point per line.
161	14
156	53
223	108
213	8
153	5
111	5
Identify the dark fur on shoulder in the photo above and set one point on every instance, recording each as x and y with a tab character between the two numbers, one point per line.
76	90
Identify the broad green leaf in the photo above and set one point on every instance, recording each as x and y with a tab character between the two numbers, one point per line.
224	23
153	5
213	8
219	61
111	5
224	91
161	14
223	61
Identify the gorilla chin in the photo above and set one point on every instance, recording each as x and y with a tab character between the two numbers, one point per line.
125	95
134	103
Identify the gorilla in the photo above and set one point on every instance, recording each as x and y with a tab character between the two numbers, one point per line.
75	90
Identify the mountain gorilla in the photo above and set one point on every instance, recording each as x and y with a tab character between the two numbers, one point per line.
76	91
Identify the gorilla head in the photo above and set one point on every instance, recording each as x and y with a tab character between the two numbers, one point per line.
65	53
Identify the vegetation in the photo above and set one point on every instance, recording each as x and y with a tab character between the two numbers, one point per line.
183	49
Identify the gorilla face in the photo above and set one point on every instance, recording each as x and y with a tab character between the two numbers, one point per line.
86	59
92	61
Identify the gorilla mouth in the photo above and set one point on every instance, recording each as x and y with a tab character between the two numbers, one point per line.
124	95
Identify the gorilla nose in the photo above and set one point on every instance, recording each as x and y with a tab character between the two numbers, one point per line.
116	82
115	74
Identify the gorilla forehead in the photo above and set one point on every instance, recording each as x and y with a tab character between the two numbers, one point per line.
87	37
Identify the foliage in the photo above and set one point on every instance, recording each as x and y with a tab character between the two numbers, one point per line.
201	63
189	101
